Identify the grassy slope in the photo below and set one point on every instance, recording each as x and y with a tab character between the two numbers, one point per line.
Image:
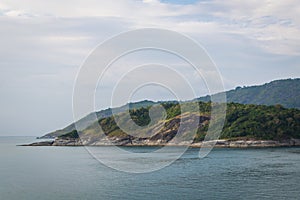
89	119
242	121
284	92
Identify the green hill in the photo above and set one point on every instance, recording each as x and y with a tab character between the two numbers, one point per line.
283	92
89	119
258	122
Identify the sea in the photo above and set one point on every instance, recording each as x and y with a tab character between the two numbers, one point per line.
31	173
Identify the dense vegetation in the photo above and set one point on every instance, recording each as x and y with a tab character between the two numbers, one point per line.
261	122
72	134
242	121
283	92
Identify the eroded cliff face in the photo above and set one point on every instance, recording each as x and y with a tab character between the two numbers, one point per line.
176	131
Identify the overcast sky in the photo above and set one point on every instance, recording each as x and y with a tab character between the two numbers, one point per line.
43	44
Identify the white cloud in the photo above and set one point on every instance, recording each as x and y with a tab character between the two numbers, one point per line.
272	25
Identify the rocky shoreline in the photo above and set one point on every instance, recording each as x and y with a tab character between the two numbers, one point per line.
212	143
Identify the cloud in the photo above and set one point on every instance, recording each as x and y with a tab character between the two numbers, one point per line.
272	26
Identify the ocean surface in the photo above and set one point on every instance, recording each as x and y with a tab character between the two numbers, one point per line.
72	173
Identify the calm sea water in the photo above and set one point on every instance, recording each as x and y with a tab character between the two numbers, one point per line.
72	173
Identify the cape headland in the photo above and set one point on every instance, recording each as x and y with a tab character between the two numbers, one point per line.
252	123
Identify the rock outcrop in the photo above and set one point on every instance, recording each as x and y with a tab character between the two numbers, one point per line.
148	142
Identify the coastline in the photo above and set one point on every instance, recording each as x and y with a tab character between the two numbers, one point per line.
207	144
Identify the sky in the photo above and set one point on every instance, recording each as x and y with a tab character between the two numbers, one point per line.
44	43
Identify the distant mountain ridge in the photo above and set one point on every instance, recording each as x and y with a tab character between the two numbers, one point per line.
284	92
